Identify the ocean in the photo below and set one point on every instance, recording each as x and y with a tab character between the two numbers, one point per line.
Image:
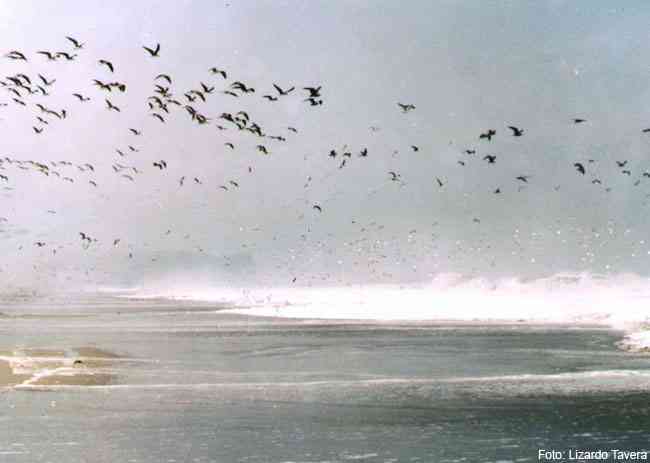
181	381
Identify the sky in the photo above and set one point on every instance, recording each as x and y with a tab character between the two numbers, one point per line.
467	67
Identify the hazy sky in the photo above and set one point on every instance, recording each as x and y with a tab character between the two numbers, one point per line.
467	66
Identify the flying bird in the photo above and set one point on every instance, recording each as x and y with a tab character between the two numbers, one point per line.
164	76
579	121
516	132
108	64
153	53
406	107
50	56
490	158
283	92
110	105
579	167
77	45
65	55
488	135
81	97
219	71
317	207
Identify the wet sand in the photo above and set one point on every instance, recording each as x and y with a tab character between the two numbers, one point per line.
82	366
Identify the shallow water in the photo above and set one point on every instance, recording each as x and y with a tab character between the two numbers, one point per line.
192	384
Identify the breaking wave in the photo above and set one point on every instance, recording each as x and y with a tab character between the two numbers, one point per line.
620	301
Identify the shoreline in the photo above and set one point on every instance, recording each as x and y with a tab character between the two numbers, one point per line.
83	366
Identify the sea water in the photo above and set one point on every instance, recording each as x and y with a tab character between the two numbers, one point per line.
195	384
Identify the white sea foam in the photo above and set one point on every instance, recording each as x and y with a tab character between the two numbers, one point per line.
619	301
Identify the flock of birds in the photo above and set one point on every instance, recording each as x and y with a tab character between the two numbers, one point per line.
30	92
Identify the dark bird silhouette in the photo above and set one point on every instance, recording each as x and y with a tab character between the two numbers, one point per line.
626	172
164	76
158	116
108	64
406	107
621	163
67	56
579	167
394	176
77	45
317	207
440	184
228	92
153	53
579	121
491	159
415	148
516	132
488	135
283	92
645	130
16	55
363	153
110	106
270	97
40	244
37	130
470	151
596	181
81	97
102	85
219	71
233	183
523	178
207	89
230	145
314	102
262	149
293	129
135	132
497	191
314	92
48	54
